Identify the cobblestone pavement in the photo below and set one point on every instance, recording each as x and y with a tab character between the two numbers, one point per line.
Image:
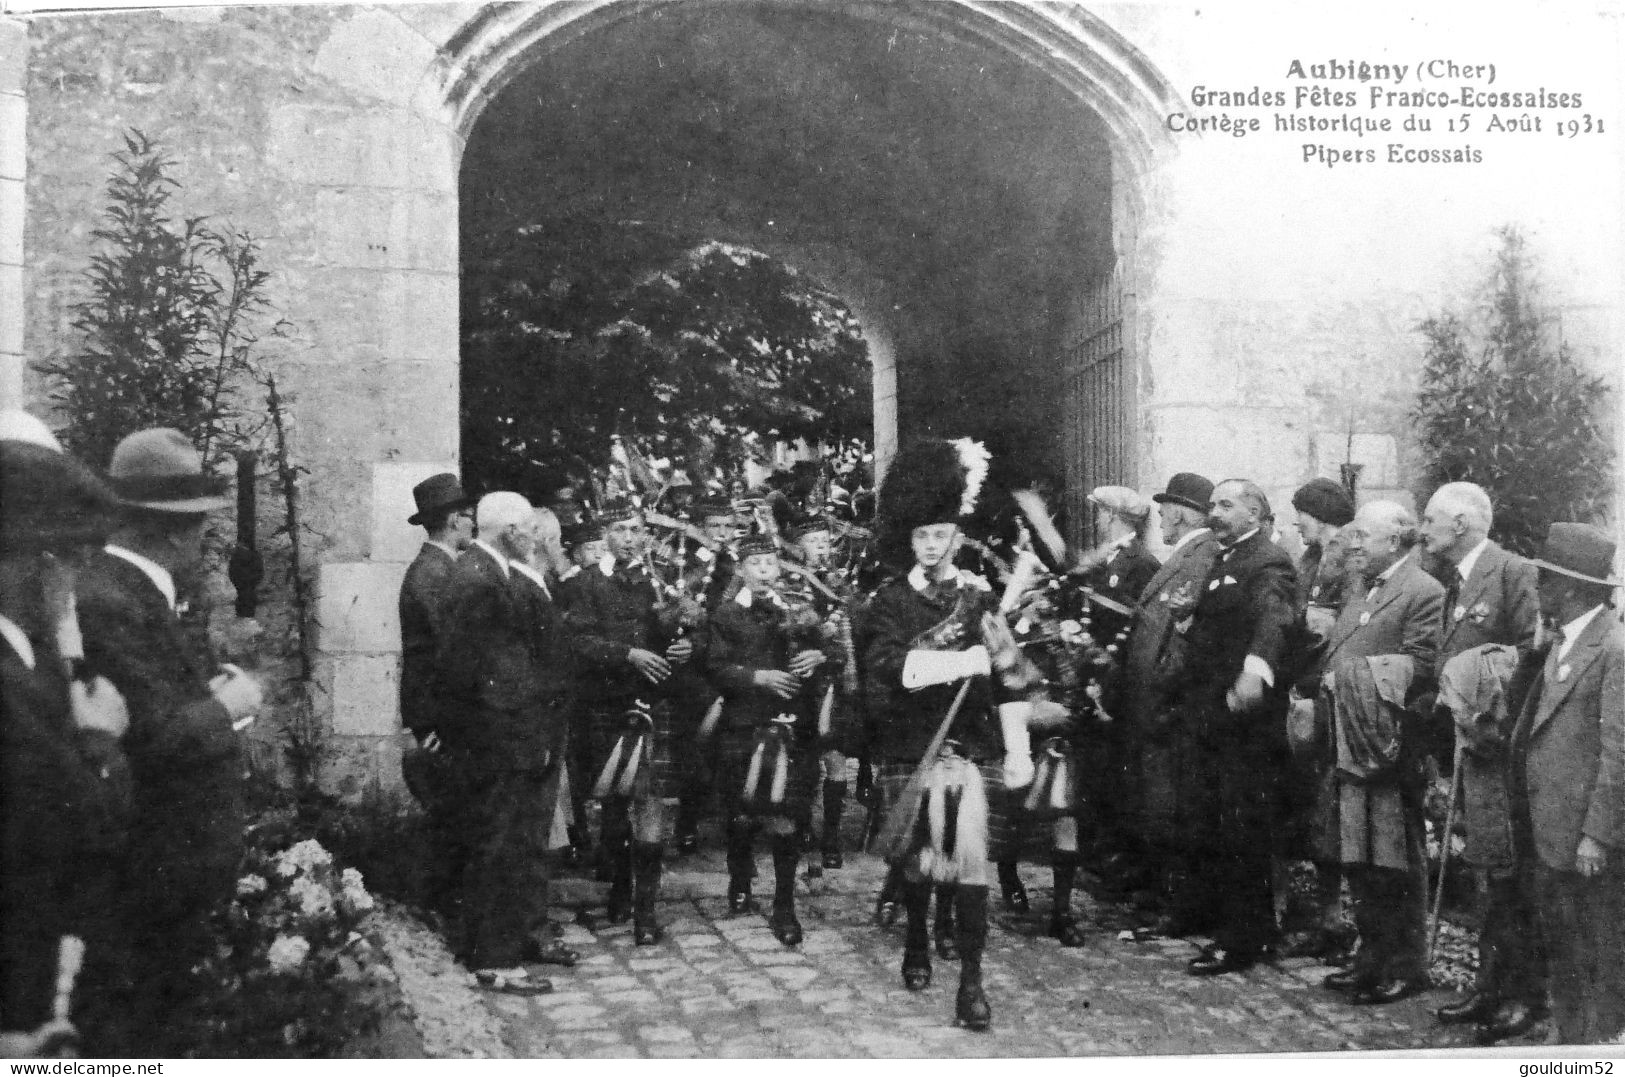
722	986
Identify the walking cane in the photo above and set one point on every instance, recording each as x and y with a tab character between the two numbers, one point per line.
1444	846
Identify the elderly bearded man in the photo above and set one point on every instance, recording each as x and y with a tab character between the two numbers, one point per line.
1380	654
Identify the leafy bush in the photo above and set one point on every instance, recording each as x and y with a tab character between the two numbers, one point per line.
1504	405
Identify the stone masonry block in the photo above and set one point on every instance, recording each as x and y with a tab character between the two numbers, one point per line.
356	608
1268	445
13	136
393	539
1378	455
386	229
11	309
366	695
13	201
381	147
375	54
438	23
13	56
355	314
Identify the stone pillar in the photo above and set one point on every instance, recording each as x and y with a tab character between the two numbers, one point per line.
375	393
13	167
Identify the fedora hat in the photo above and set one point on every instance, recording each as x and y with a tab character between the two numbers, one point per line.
1579	551
1188	489
438	494
160	470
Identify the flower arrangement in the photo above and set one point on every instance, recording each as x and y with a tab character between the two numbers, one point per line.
296	972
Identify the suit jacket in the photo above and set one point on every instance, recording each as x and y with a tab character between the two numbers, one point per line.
494	712
1248	606
1496	604
1568	748
64	804
422	602
186	831
1167	599
553	657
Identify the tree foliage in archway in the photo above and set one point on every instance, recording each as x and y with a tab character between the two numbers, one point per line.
1504	404
575	332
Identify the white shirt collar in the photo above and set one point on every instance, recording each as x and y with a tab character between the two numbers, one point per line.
1465	566
570	573
917	578
451	551
1388	573
1187	537
496	555
1572	630
155	572
525	570
18	639
745	597
1238	541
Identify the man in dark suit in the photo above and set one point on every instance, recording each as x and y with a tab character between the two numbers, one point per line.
1568	786
447	514
186	832
502	723
1162	753
64	779
1489	598
1232	695
1381	651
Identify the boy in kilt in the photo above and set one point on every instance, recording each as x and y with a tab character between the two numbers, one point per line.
628	638
761	652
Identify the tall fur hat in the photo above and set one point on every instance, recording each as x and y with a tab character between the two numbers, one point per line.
929	482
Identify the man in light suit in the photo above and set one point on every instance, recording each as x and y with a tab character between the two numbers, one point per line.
1489	598
1370	813
1157	751
1568	786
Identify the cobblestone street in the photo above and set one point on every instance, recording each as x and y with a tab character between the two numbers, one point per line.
722	986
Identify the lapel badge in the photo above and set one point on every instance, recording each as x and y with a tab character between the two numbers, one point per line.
1112	582
1213	585
1365	618
1563	671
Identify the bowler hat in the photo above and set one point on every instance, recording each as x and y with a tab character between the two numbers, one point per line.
1326	501
160	470
53	503
1121	501
1580	551
1188	489
438	495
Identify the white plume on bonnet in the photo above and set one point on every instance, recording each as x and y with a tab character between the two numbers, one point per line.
974	458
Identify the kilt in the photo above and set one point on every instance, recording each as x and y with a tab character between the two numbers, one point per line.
1003	805
733	751
599	725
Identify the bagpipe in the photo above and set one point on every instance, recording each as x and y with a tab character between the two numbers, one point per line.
626	772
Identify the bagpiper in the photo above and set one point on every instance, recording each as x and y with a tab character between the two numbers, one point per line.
935	723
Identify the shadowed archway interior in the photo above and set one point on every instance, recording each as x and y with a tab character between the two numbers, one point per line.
957	197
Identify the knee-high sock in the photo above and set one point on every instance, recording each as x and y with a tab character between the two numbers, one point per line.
786	859
917	906
943	925
741	853
834	801
970	903
1065	868
1009	877
646	881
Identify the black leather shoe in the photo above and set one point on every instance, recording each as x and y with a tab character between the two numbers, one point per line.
1475	1007
886	912
1065	927
916	969
688	844
552	952
1387	991
1015	897
1511	1018
740	902
786	928
1305	944
647	934
1347	980
971	1008
833	859
1216	961
947	949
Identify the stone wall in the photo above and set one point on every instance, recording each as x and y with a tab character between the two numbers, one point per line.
13	197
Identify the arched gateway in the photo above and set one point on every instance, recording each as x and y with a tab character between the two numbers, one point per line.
358	171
